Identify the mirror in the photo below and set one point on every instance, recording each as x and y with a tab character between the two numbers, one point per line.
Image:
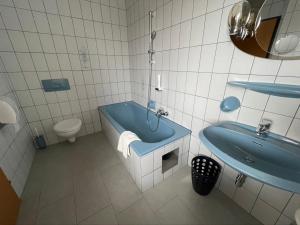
266	28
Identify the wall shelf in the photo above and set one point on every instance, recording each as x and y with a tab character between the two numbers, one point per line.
281	90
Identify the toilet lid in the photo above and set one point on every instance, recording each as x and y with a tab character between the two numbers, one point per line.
67	125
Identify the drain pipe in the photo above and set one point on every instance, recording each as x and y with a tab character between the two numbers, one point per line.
240	180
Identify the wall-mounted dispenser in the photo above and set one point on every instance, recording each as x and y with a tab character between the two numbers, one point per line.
158	83
7	113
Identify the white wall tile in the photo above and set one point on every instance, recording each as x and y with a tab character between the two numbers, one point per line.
289	68
250	116
265	213
241	62
212	111
217	86
185	32
227	186
214	5
199	7
147	164
265	66
294	130
18	41
245	198
255	100
292	206
275	197
283	106
41	22
147	182
212	25
10	18
207	58
194	59
223	57
197	31
203	84
26	20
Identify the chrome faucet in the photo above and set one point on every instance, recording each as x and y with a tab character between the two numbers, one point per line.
263	127
161	112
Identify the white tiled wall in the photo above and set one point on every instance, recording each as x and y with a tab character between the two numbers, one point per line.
16	149
84	41
196	59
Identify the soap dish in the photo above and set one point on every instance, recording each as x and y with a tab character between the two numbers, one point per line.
230	104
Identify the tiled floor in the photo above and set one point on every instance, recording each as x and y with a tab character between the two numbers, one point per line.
85	183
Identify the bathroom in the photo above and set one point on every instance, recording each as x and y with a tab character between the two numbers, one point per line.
80	78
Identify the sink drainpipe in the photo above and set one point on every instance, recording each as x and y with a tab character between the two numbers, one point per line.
240	180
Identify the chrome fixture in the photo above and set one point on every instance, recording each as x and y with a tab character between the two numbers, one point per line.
240	180
269	27
263	127
161	112
152	35
241	20
151	52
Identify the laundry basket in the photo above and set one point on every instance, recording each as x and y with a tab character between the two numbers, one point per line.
205	173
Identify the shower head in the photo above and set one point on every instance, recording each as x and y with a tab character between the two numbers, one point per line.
153	35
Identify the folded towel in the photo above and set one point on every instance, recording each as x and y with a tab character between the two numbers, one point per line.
124	142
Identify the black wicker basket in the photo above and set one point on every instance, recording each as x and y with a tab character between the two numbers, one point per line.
205	173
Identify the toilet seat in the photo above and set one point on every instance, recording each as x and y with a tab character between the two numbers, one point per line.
67	126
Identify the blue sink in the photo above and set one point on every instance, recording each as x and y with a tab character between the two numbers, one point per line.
270	158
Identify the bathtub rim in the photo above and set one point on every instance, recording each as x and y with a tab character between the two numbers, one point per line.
143	148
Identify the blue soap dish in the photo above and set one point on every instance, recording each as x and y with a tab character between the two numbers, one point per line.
230	104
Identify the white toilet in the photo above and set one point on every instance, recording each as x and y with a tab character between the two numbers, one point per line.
68	129
297	217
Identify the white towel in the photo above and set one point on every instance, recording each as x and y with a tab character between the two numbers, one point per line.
124	142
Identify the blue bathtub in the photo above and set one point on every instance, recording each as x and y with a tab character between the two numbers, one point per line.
133	117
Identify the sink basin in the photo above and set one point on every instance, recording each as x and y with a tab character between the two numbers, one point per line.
270	158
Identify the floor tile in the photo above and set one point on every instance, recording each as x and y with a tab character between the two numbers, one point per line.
175	212
86	183
159	196
55	189
122	191
216	208
105	216
90	195
28	211
139	213
58	213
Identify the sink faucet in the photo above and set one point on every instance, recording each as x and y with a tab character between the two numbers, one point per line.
161	112
263	127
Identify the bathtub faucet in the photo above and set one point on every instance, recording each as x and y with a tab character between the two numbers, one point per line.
161	112
263	127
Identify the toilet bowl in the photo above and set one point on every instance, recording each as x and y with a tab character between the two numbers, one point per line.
68	129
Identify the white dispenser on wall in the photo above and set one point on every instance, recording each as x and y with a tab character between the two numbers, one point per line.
7	113
158	83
